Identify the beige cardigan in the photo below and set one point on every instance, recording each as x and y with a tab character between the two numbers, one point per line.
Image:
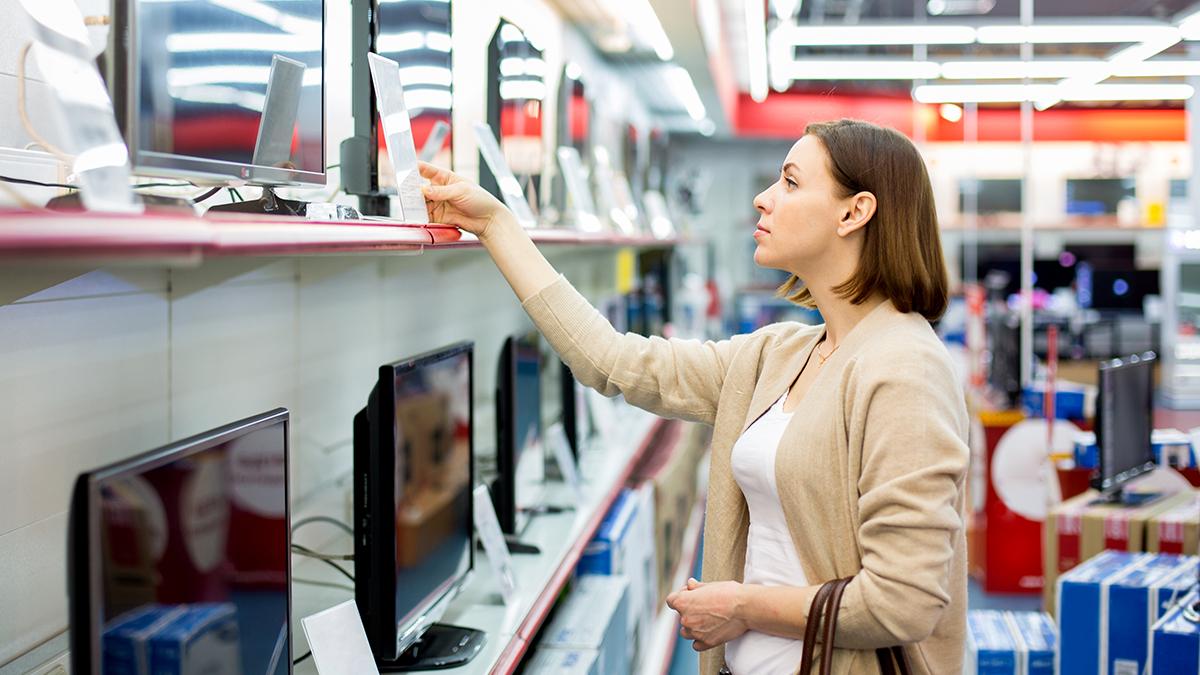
870	470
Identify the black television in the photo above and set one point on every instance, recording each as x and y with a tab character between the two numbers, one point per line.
520	462
1124	423
413	517
191	536
1097	196
515	94
563	402
415	34
191	82
1122	289
992	195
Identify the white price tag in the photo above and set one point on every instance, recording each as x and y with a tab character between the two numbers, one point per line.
339	642
488	527
556	436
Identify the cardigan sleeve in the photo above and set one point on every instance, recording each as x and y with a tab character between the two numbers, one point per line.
671	378
914	463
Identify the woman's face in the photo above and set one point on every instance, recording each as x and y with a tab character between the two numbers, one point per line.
799	213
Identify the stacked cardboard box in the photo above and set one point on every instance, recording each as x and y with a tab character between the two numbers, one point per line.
1010	643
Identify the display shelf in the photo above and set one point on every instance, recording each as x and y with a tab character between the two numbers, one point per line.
656	658
605	466
85	235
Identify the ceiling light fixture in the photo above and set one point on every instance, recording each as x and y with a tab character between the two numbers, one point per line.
951	113
1052	33
641	19
1013	93
862	69
898	34
684	89
756	49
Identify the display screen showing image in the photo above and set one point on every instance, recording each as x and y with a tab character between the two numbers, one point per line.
416	34
228	88
433	480
1097	196
517	91
992	195
527	413
194	561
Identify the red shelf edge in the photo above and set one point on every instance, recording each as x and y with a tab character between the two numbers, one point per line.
510	658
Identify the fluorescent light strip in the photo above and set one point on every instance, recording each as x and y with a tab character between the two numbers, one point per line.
411	41
529	90
906	34
275	43
1009	93
1016	70
202	75
270	16
684	89
413	75
640	17
756	49
862	69
1075	34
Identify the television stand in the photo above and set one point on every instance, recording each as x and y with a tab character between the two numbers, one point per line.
269	204
440	646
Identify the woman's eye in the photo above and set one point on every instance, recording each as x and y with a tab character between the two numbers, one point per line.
791	183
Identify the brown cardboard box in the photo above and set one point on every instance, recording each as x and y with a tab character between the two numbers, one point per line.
1176	530
1061	541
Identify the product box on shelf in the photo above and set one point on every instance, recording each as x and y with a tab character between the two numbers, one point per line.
593	616
1175	643
1177	529
204	639
1061	542
1171	447
549	661
127	639
1071	401
1082	610
1010	643
1136	596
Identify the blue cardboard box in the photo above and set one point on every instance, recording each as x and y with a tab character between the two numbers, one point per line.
126	640
991	646
1082	611
203	639
1133	605
548	661
1175	644
1037	641
1069	401
593	617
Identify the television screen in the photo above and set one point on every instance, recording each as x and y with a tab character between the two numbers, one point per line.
520	463
993	195
1124	421
214	89
516	92
1097	196
1122	289
185	545
413	517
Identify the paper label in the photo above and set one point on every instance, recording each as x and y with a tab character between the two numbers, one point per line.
397	129
339	642
488	527
556	436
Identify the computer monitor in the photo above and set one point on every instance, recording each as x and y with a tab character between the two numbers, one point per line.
520	462
415	34
188	539
516	91
413	518
1123	289
992	195
1124	422
563	402
1097	196
216	91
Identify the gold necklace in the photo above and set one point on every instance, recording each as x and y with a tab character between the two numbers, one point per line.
824	357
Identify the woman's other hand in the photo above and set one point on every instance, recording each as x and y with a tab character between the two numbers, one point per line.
454	200
708	612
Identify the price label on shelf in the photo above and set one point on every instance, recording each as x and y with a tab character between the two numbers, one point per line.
339	642
488	527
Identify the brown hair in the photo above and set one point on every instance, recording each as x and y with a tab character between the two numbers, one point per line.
902	252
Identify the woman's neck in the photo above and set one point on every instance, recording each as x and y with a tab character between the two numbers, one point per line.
841	315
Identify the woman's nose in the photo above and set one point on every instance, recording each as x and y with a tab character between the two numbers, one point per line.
761	202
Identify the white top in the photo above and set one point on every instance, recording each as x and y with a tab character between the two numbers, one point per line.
771	558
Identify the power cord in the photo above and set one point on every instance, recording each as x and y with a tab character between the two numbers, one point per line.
334	565
302	659
36	183
310	553
322	519
24	113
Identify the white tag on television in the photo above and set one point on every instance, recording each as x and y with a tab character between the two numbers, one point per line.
556	436
510	189
582	204
397	130
339	642
488	527
435	141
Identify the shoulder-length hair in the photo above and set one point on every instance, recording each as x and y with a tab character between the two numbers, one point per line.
902	251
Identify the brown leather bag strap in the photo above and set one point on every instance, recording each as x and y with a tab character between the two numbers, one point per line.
831	617
815	612
890	657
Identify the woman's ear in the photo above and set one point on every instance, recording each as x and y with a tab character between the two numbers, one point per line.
859	210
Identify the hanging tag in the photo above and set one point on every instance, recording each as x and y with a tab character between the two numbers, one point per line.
339	642
488	527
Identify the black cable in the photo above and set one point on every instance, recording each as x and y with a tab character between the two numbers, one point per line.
302	659
234	193
323	519
338	568
205	195
158	185
310	553
38	183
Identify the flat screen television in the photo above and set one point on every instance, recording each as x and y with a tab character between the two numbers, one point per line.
188	539
520	462
1124	423
515	94
1122	289
563	402
416	35
992	195
413	518
217	91
1097	196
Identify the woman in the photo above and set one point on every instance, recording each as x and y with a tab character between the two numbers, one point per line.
838	450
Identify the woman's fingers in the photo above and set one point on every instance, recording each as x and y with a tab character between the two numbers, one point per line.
441	193
436	174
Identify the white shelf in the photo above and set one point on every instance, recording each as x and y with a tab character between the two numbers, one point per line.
605	467
656	658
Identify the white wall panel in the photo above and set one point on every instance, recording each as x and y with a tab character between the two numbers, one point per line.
33	585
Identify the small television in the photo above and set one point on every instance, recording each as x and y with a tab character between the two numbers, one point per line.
415	34
1122	290
413	517
1097	196
520	462
992	195
516	92
191	537
221	91
1124	423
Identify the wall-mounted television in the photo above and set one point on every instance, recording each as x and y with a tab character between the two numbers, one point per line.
992	195
1097	196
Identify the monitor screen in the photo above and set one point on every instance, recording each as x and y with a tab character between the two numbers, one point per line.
224	90
1122	289
413	517
416	34
527	405
1097	196
1125	420
993	195
188	542
516	92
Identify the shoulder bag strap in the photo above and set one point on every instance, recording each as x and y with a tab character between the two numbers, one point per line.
891	657
831	617
815	612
